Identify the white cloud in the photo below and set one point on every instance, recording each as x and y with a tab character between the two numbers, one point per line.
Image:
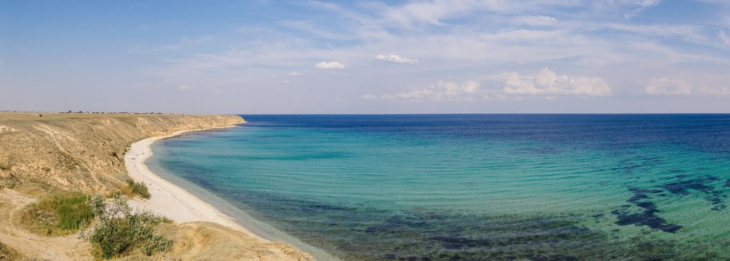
294	74
440	91
369	97
725	39
395	59
548	82
666	86
186	87
329	65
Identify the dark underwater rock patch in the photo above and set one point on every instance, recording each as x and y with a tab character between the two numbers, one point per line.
717	199
473	237
682	187
361	232
644	218
647	216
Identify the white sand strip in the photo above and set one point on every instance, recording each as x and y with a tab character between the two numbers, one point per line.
168	199
178	204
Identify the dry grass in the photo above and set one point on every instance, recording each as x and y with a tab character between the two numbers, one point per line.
83	152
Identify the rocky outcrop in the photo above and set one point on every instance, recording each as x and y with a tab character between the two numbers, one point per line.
83	153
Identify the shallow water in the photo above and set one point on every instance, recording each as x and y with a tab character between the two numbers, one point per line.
475	187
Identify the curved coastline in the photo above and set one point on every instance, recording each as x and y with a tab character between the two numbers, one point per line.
184	203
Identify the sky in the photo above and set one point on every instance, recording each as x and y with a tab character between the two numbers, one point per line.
366	57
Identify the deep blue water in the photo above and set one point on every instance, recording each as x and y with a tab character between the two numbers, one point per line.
475	187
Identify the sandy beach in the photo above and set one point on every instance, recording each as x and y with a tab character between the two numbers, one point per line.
168	199
176	203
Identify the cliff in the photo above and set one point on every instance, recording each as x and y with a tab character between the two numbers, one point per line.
82	152
45	154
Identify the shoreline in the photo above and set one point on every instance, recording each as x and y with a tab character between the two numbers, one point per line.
178	203
168	199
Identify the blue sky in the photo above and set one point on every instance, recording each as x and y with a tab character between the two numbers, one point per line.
437	56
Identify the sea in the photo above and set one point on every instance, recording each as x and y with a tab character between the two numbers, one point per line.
469	186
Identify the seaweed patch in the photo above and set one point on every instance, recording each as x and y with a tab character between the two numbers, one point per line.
647	216
682	187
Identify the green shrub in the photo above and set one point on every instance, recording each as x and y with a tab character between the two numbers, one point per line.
58	214
136	188
118	230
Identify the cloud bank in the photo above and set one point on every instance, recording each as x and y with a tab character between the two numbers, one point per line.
439	91
507	86
548	82
664	86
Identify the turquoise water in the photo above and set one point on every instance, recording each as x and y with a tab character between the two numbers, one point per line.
474	187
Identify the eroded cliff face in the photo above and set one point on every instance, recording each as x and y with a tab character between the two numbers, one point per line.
83	153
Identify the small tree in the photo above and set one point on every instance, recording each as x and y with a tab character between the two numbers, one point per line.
119	230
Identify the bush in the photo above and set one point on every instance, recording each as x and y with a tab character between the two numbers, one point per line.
118	230
58	214
136	188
